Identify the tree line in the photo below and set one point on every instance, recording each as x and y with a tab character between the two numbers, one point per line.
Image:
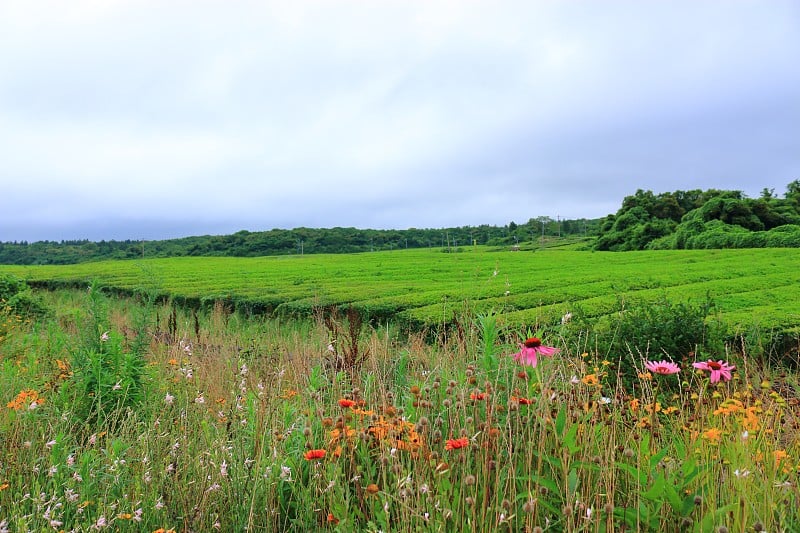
699	219
294	241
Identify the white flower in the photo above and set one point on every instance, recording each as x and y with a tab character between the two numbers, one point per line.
200	399
566	318
34	404
169	398
741	473
101	523
223	469
116	386
159	505
243	370
50	444
604	400
104	336
55	524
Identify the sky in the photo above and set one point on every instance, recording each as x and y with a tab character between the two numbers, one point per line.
169	118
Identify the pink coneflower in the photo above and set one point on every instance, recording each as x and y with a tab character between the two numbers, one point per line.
662	367
720	370
530	349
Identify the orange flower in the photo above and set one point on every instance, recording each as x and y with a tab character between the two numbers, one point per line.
521	401
332	519
372	488
310	455
713	435
4	486
345	403
24	399
454	444
591	380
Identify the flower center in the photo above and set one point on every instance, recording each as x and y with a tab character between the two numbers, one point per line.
714	365
533	342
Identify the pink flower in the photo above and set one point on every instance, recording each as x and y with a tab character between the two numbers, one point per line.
662	367
530	349
720	370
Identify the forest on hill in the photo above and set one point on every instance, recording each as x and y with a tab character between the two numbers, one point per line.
294	241
693	219
703	220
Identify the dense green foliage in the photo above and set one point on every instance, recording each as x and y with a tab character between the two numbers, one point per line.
432	290
17	297
298	241
703	219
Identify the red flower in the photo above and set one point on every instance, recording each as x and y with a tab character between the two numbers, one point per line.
344	402
521	401
310	455
454	444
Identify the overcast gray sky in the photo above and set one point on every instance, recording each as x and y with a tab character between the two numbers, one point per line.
158	119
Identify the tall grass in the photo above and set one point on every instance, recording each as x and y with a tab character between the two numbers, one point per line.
241	424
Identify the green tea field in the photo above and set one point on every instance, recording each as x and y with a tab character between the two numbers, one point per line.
426	287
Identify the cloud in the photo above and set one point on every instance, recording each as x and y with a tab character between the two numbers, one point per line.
252	115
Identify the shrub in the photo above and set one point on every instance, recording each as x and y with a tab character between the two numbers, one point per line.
19	298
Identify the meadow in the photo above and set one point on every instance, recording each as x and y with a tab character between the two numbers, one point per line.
135	410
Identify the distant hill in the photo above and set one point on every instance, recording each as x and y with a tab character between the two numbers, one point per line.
295	241
703	219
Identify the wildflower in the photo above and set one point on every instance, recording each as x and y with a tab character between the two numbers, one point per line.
50	444
662	367
591	380
310	455
713	435
454	444
104	336
372	488
566	318
223	469
530	349
345	403
200	399
332	519
779	456
741	473
169	398
720	370
521	401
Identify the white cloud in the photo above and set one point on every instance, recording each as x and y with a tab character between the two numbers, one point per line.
353	113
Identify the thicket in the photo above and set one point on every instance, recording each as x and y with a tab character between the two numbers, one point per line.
295	241
702	220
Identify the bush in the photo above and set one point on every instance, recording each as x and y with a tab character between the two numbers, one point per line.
19	298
